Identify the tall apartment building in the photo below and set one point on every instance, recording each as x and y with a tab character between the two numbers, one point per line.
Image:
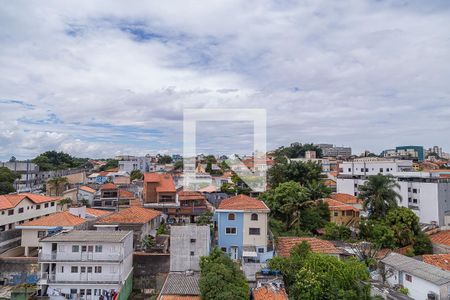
86	265
329	150
427	194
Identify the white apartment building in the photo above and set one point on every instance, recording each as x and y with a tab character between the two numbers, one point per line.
423	192
130	163
86	265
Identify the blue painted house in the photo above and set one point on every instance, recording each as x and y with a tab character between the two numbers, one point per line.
242	223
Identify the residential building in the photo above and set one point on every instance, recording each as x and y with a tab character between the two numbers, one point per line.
86	265
242	223
128	163
192	205
269	292
80	194
423	281
159	190
328	164
348	199
110	197
187	244
15	209
181	285
416	153
329	150
426	193
286	244
342	214
373	165
142	221
29	179
441	261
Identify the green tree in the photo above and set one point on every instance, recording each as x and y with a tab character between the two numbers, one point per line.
422	244
205	218
379	195
405	225
53	160
380	234
164	159
296	150
316	276
136	174
221	278
58	184
317	190
178	165
336	232
110	164
303	173
7	178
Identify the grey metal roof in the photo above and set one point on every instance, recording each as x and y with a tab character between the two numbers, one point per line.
87	236
181	284
417	268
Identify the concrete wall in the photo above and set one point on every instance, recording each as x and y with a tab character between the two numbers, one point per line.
9	239
187	244
14	270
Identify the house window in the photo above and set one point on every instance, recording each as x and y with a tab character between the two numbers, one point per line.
52	204
254	231
192	253
415	201
223	249
38	206
10	212
20	210
83	248
230	230
62	269
46	205
73	269
73	291
89	269
254	217
41	234
336	213
98	248
415	191
75	248
231	217
3	212
381	170
83	270
98	269
260	250
88	292
349	169
408	277
192	240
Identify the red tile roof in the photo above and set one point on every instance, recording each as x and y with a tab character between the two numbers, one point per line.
345	198
97	212
285	244
124	194
87	189
64	219
132	215
165	182
335	205
189	195
242	202
439	260
179	297
268	293
108	186
441	238
11	201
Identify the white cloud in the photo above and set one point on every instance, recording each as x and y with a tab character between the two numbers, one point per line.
366	74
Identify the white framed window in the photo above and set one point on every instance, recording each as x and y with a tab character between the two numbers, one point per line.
230	230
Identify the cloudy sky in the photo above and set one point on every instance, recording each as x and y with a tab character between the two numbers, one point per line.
100	78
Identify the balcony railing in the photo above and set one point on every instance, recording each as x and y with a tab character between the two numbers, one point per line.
81	278
83	256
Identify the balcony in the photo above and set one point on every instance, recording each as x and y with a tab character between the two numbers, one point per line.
80	278
80	257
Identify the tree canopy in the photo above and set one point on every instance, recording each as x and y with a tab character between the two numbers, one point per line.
300	172
296	150
110	164
221	278
379	195
136	174
7	178
164	159
309	275
53	160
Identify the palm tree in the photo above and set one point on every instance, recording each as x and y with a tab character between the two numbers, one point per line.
57	183
379	195
317	190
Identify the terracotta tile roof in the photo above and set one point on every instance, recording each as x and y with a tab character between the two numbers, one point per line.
345	198
439	260
268	293
285	245
179	297
108	186
64	219
135	202
103	174
11	201
124	194
329	182
335	205
208	189
133	215
242	202
97	212
189	195
87	189
441	238
165	182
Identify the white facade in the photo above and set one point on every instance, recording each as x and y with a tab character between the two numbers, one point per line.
26	210
426	194
86	264
373	166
